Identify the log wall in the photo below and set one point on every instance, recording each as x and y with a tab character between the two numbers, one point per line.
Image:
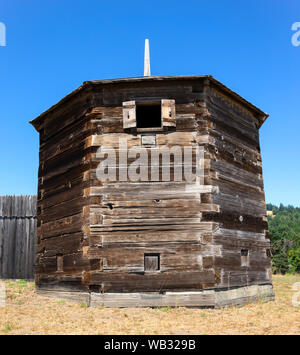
93	235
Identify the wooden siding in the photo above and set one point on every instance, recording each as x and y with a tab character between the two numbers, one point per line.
102	230
17	236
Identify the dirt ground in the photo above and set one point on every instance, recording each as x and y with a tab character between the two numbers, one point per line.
28	313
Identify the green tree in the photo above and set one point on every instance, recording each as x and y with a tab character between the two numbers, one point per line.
284	230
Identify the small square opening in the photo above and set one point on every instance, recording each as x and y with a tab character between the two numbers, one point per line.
151	262
148	116
244	257
244	252
60	263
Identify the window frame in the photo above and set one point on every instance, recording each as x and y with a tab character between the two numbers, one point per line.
130	113
158	262
245	259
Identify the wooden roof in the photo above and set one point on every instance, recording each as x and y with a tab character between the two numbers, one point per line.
261	116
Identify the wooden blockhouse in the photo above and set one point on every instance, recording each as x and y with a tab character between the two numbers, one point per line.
152	243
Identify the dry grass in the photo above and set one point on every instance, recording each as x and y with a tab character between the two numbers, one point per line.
28	313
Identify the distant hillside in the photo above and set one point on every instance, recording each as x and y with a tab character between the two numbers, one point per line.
284	227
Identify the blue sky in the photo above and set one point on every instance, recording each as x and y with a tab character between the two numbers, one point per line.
53	46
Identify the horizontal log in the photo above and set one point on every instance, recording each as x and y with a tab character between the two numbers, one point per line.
159	282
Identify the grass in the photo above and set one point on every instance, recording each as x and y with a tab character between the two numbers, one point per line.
28	313
7	328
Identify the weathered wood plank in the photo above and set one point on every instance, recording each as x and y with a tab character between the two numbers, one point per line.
101	231
17	236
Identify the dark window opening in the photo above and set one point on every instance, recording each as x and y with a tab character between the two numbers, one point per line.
244	257
268	252
152	262
95	288
148	116
244	252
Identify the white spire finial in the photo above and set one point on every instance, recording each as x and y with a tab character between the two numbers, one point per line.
147	59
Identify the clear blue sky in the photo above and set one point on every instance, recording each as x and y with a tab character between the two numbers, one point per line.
55	45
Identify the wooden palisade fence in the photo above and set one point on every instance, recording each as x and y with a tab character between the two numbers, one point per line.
17	236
